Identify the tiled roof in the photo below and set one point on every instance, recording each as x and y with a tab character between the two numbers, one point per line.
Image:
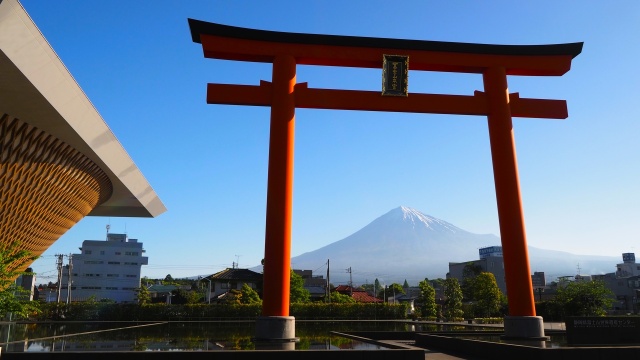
357	294
345	288
363	297
162	288
236	274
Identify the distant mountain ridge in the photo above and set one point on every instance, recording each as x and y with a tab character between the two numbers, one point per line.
406	244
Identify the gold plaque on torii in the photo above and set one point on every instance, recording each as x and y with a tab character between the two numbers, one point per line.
395	75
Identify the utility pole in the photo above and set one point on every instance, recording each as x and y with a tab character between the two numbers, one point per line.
59	264
328	283
350	282
69	282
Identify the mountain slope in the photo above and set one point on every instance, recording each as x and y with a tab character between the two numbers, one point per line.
405	244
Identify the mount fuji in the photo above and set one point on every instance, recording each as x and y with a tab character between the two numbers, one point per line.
405	244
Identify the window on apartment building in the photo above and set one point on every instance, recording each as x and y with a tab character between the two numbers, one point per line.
94	262
131	276
114	262
111	288
113	275
87	252
132	253
118	253
131	263
102	252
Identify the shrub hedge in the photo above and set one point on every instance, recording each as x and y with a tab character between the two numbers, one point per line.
96	311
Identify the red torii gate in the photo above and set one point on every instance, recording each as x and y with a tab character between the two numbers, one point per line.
284	95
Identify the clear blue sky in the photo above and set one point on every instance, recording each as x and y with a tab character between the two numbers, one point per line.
208	163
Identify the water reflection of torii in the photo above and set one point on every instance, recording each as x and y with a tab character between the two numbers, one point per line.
283	95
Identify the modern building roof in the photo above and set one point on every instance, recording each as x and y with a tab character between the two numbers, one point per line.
37	89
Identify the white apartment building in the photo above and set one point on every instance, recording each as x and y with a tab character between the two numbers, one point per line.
105	270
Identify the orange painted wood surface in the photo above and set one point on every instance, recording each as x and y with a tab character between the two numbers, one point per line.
308	98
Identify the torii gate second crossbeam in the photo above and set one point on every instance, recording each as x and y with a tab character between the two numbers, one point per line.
284	95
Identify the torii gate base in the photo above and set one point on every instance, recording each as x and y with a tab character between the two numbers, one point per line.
524	328
287	50
276	333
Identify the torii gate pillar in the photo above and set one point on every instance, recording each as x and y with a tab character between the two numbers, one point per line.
275	322
522	322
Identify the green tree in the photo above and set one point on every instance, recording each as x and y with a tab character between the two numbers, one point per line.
452	299
297	292
427	299
249	296
182	296
369	288
485	294
338	298
13	298
405	286
469	272
392	290
589	298
437	283
142	295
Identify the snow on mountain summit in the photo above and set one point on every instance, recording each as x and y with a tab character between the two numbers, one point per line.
415	216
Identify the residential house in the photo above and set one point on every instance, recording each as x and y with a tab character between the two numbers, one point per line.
161	293
233	279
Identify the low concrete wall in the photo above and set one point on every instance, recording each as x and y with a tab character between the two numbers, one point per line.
493	350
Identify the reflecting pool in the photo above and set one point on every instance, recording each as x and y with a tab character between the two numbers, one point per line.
178	336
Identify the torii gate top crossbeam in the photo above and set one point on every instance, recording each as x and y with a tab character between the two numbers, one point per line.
236	43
